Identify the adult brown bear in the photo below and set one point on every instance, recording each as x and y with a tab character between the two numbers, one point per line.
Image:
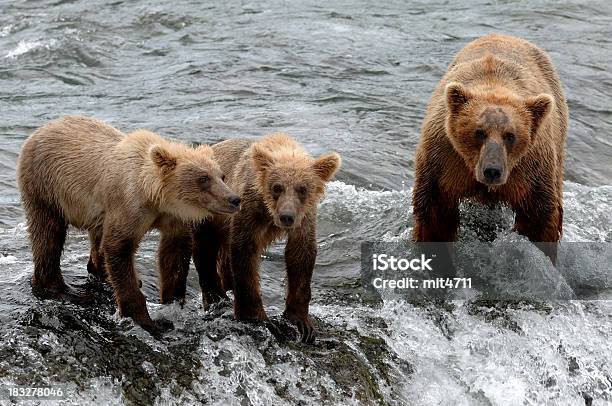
495	131
82	172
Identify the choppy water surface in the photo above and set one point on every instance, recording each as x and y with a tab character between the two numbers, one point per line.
345	76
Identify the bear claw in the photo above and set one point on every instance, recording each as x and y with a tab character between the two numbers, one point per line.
304	326
64	293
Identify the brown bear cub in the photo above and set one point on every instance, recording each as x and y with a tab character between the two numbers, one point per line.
280	186
495	131
82	172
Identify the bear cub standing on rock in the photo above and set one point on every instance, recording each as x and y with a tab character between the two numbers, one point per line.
280	186
495	131
82	172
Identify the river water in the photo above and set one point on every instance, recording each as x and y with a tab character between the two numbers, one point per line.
347	76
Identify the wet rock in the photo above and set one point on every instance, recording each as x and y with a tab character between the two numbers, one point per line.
91	345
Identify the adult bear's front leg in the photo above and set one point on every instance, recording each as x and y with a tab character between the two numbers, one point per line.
436	217
542	225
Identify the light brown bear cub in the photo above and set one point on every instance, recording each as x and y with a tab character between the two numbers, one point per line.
279	186
82	172
495	131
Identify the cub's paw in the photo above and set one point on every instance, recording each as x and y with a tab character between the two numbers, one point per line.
258	316
157	328
305	327
218	310
282	329
279	330
212	298
64	293
253	315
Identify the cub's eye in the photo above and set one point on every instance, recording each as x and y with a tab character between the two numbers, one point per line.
480	135
277	189
510	138
301	190
204	180
223	178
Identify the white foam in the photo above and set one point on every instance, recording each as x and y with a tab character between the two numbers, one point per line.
486	363
6	30
8	259
587	209
360	197
24	47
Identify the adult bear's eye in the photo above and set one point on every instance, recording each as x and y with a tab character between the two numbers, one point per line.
480	135
510	138
277	189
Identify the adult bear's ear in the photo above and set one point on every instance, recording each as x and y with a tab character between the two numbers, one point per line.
539	107
261	158
162	158
456	96
326	166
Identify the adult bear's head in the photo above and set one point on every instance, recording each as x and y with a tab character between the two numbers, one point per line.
493	128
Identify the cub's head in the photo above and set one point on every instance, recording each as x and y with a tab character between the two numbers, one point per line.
192	186
492	130
290	181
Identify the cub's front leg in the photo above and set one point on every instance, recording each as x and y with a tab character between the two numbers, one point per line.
207	240
300	257
119	244
174	255
245	260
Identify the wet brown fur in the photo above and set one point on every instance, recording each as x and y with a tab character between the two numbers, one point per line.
227	251
506	85
82	172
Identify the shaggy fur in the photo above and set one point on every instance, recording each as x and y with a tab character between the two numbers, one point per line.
82	172
501	91
275	177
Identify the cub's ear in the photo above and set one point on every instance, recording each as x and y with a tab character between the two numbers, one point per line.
539	106
326	166
204	148
261	158
456	96
162	158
